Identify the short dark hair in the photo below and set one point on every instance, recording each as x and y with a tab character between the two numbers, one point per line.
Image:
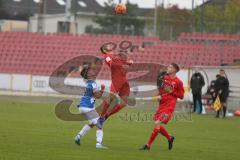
218	75
84	71
177	68
222	70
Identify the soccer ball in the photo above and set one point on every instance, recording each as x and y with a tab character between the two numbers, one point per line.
120	9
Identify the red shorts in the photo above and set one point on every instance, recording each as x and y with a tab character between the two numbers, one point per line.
121	90
163	115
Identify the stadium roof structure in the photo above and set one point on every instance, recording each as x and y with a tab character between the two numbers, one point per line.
23	9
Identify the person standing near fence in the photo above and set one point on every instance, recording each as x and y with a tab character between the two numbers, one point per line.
196	84
222	88
212	89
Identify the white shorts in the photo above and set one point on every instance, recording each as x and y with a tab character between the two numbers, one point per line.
90	114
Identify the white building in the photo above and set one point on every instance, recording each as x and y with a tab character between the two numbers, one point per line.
55	18
54	23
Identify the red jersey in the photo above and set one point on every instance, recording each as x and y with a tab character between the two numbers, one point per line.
169	100
116	64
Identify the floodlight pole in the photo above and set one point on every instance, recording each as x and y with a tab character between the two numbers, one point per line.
155	18
202	16
40	17
68	14
68	10
193	5
119	22
192	23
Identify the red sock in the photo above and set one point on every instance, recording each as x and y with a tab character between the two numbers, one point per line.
164	132
105	107
115	109
153	136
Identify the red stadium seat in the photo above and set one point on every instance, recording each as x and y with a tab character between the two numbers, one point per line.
35	53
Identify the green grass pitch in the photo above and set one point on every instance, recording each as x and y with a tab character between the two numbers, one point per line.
31	131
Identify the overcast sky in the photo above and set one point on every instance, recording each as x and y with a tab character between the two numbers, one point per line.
150	3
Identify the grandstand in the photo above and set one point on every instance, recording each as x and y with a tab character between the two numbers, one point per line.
39	54
35	56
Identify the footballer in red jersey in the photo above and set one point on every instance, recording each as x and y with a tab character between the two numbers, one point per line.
118	64
170	89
